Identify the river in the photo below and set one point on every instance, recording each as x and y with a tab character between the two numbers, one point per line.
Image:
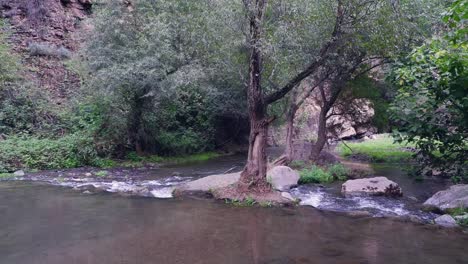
42	223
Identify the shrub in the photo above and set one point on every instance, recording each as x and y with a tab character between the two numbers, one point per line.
45	49
431	106
338	172
36	153
102	173
315	175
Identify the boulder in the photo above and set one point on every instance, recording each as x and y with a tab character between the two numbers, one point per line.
282	178
209	183
445	221
19	173
454	197
371	186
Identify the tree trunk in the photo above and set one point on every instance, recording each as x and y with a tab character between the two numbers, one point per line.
287	156
321	134
254	174
134	126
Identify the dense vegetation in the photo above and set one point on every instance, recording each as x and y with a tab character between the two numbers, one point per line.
431	107
169	78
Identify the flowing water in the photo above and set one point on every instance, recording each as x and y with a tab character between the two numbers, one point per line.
416	191
43	223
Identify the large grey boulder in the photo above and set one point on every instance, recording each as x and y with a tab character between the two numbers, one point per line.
371	186
454	197
445	221
210	183
19	173
282	178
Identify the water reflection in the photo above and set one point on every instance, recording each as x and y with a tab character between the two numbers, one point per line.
44	224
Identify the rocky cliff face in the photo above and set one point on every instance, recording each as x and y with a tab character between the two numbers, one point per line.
44	33
350	119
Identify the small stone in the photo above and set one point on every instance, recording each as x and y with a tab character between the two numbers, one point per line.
88	174
87	192
445	221
19	173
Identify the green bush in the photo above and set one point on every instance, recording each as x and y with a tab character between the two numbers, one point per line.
431	105
315	175
36	153
338	171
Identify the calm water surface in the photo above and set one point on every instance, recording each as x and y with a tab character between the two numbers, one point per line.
53	225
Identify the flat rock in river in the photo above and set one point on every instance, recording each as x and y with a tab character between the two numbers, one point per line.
209	183
371	186
454	197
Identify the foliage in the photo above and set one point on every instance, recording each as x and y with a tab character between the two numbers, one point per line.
377	92
247	202
24	108
6	176
431	107
316	174
35	153
102	173
133	160
460	211
45	49
338	171
297	164
381	149
162	99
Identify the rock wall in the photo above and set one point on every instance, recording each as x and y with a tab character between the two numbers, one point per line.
352	119
45	33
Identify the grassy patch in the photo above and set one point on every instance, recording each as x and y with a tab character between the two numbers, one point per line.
102	173
459	211
247	202
5	176
316	174
382	149
133	160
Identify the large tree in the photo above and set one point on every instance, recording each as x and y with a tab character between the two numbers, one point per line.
366	35
358	28
254	173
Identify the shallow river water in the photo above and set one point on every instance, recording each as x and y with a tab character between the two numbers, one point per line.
42	223
46	224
